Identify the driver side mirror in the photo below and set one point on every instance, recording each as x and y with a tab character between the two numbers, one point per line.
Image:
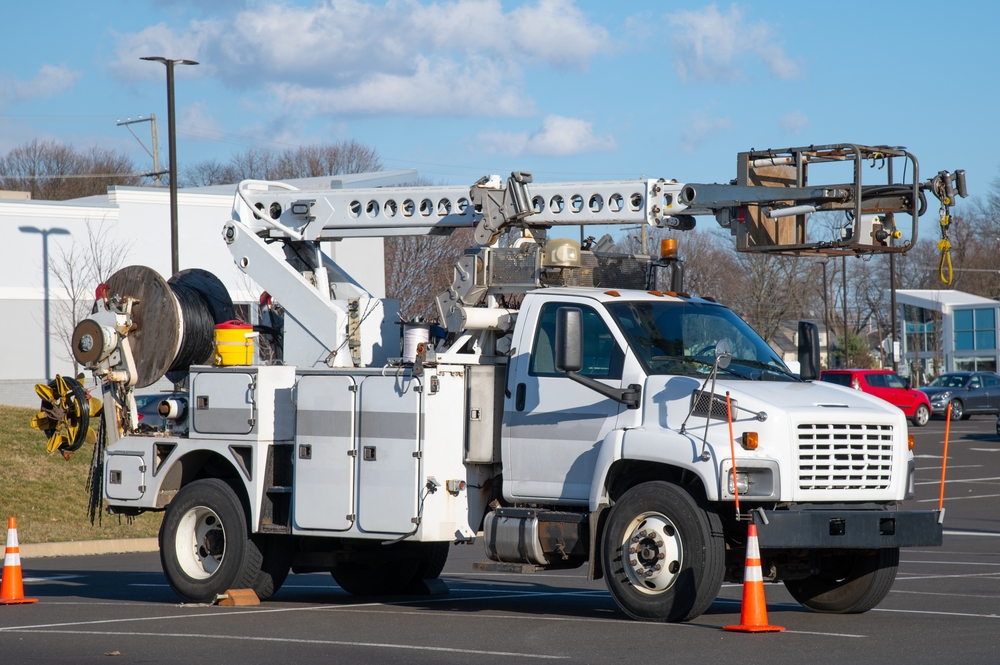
569	339
808	351
908	383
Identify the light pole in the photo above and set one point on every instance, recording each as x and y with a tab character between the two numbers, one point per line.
45	233
172	143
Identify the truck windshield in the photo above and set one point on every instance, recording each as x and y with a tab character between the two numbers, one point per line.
680	338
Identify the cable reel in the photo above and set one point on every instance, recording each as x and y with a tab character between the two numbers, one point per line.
65	416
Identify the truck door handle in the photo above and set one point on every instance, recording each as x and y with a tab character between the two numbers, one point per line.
519	397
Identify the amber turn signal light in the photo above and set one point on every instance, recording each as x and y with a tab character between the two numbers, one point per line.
750	440
909	441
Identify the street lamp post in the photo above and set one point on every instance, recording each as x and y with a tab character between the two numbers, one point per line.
172	143
45	233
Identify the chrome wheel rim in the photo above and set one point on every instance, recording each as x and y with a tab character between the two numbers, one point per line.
652	552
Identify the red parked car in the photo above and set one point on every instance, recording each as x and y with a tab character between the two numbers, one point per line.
886	384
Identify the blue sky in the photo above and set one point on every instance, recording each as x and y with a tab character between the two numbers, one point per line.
568	90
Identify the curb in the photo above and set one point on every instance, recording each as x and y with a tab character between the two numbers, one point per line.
89	547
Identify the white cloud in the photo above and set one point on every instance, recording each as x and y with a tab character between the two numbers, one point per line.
354	56
436	87
709	45
557	137
49	81
793	122
701	130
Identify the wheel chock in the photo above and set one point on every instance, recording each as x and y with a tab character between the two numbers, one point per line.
237	597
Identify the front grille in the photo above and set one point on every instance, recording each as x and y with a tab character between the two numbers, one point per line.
844	456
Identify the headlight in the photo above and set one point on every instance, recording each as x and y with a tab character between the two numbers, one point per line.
942	397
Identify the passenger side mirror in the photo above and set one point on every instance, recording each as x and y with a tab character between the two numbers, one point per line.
908	383
808	351
569	339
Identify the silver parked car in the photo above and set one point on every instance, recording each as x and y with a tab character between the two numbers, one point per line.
968	393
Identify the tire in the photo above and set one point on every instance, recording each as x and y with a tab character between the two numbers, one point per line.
957	410
204	546
848	583
921	416
433	561
668	528
276	560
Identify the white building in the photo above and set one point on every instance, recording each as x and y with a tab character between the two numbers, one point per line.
947	331
139	218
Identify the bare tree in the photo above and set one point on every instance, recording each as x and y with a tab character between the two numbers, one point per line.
308	161
55	171
78	269
417	268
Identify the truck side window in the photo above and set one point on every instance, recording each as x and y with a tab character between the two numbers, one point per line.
602	357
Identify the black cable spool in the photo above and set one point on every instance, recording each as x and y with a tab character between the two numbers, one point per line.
204	302
174	322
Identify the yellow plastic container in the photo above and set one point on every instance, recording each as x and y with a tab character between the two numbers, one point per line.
234	343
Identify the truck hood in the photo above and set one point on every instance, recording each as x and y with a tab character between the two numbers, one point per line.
805	399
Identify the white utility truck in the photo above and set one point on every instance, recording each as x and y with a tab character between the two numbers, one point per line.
573	409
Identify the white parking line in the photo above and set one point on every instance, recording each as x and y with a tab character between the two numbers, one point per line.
957	480
54	578
938	593
957	466
907	578
951	563
289	640
947	614
986	450
956	498
991	534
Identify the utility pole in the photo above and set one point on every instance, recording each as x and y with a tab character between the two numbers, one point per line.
155	154
156	149
172	142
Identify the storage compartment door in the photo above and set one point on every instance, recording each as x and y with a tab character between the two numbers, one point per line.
323	495
125	477
388	437
222	403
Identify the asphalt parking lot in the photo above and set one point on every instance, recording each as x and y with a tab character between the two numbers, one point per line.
944	607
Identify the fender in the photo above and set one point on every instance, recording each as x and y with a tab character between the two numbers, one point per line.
666	446
610	452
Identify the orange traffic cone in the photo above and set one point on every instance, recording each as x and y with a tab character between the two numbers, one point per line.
12	588
753	617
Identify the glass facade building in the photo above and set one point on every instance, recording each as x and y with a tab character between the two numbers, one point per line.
946	331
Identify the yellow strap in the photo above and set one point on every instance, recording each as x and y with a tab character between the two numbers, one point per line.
945	264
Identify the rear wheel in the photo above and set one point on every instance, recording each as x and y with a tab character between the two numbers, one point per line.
204	546
664	555
276	560
921	416
848	583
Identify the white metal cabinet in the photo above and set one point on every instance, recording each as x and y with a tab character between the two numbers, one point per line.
389	433
324	453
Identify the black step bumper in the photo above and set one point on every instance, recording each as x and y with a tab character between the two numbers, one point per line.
847	529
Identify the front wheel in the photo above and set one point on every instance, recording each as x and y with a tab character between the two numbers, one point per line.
664	555
921	416
848	583
204	547
957	410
